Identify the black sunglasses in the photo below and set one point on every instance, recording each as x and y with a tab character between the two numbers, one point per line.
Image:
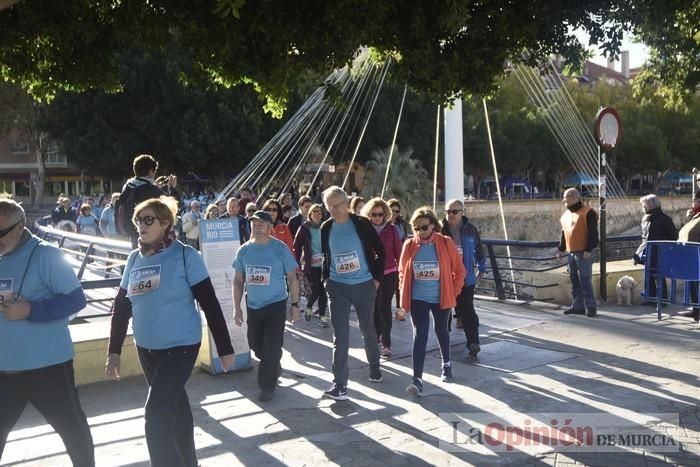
377	214
146	220
454	211
424	228
6	231
396	211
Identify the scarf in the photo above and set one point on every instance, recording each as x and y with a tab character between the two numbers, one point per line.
427	241
695	211
147	249
379	227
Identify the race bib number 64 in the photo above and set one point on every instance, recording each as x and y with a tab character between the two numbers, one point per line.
144	280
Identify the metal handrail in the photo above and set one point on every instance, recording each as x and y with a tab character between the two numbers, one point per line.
500	263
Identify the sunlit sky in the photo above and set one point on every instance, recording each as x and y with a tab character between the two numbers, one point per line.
638	51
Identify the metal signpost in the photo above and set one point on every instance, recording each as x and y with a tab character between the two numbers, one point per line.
608	130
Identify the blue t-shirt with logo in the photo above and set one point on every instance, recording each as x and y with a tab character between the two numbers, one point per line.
426	275
26	345
348	264
265	268
162	304
88	224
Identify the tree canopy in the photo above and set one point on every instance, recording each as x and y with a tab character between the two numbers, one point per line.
442	47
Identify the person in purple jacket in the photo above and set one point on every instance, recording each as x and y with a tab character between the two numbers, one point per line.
379	213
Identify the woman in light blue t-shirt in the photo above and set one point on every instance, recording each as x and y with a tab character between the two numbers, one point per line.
161	281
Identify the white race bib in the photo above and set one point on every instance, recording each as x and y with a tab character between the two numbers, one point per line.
347	263
258	275
426	270
317	260
6	290
460	251
144	280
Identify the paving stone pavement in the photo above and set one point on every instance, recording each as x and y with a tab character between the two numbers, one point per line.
534	361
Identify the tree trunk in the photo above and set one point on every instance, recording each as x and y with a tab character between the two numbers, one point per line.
40	176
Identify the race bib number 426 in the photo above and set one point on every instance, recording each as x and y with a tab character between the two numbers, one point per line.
347	263
144	280
426	270
6	292
258	275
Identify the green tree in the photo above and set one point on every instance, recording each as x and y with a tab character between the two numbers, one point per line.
214	130
443	47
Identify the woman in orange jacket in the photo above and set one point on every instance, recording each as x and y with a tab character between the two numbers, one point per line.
431	275
280	230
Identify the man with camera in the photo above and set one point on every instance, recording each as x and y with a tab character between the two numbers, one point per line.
141	187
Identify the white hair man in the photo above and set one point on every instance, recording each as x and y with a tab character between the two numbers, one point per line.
353	266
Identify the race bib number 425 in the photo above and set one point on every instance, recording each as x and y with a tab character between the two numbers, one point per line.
426	270
144	280
6	292
347	263
258	275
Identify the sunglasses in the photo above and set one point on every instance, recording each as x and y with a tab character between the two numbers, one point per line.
424	228
454	211
6	231
146	220
396	211
377	214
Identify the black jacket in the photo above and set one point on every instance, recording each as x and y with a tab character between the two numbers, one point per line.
243	230
371	245
656	225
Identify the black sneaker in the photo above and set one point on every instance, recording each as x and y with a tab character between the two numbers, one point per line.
265	395
474	349
446	373
375	374
415	388
572	311
337	393
591	312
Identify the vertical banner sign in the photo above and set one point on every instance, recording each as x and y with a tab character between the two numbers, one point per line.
219	241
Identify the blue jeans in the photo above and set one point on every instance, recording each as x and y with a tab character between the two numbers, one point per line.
169	423
581	275
420	317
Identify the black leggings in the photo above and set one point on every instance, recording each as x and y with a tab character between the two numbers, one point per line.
318	291
382	307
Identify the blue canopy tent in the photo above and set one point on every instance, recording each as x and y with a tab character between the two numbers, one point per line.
579	179
675	182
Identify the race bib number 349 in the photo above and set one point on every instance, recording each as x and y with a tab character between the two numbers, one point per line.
144	280
6	290
347	262
426	270
258	275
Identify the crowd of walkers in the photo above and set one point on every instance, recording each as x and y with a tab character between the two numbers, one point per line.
344	253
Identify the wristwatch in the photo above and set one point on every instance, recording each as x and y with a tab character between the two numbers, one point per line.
296	304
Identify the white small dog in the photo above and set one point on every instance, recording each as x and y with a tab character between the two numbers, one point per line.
624	288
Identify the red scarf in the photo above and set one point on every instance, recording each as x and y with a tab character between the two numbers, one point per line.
695	211
151	249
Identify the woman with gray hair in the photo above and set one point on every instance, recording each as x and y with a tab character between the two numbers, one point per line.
656	225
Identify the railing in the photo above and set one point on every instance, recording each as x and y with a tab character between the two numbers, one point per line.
99	261
536	257
99	257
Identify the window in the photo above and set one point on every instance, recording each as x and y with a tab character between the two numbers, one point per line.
21	188
54	158
53	188
5	187
20	144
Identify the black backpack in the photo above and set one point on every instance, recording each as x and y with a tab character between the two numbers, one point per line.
128	199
